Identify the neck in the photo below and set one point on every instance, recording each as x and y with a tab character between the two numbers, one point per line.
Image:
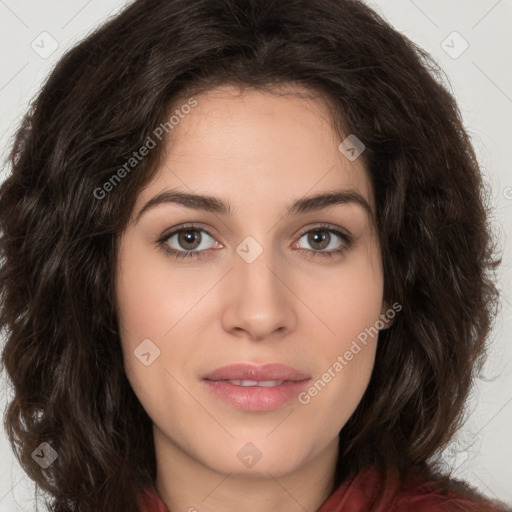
185	484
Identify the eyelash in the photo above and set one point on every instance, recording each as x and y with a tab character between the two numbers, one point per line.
347	243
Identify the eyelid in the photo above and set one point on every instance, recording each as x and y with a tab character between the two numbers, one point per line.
327	227
194	226
181	227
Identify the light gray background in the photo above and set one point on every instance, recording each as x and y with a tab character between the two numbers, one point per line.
480	78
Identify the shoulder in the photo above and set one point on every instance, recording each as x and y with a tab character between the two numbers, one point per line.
429	496
370	490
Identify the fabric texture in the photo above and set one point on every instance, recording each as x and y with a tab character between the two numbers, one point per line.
363	493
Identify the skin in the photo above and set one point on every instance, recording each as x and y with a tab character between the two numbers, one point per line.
259	151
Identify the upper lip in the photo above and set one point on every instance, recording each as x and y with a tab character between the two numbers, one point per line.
248	371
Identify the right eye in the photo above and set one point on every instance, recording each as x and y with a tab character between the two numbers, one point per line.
188	242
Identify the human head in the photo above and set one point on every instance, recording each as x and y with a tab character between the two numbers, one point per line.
264	296
59	241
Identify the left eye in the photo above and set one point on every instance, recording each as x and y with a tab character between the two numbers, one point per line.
321	237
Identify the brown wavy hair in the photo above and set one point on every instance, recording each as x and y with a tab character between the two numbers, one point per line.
58	241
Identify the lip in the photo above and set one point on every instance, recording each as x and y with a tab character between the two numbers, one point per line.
248	371
256	398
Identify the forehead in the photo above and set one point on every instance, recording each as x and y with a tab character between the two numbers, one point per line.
249	144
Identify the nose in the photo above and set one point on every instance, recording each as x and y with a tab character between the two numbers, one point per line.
259	299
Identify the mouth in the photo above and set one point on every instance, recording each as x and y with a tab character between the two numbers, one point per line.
252	387
262	383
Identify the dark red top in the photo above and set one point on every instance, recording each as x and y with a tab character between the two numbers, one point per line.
414	496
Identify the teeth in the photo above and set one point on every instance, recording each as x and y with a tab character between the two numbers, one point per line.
261	383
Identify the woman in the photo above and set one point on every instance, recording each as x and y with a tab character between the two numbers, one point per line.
238	240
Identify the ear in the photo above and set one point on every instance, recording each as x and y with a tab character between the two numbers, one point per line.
387	315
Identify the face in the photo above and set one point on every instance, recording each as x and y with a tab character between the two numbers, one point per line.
255	283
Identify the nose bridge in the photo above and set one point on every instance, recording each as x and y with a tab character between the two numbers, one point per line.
259	301
256	265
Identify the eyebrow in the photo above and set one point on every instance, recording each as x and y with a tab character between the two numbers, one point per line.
218	206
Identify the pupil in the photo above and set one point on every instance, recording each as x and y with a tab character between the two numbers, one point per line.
187	237
318	238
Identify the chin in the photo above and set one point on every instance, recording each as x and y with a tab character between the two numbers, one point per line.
246	458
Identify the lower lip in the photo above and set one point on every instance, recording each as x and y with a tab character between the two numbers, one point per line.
255	398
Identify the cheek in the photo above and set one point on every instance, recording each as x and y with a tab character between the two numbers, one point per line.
349	304
346	299
151	298
142	302
344	371
158	315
